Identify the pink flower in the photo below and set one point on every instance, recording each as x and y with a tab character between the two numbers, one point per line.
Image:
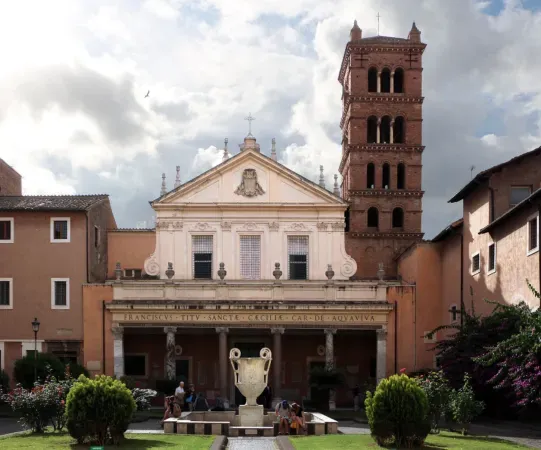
403	370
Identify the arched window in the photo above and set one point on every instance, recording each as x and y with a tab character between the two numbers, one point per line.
399	80
386	176
372	130
401	176
372	79
385	80
385	130
398	218
370	176
399	130
373	219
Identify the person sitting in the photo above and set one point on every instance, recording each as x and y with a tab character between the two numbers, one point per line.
283	413
172	409
219	404
201	403
189	397
297	417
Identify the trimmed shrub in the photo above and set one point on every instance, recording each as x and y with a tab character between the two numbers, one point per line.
99	410
398	412
47	365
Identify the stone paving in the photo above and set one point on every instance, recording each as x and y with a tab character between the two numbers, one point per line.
249	443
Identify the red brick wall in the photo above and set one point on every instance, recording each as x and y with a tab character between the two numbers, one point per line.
10	180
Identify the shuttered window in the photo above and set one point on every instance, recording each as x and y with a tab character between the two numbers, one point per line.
297	251
202	257
250	257
533	234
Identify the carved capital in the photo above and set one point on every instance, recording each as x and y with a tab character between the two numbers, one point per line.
170	330
330	331
222	330
338	226
274	226
322	226
118	332
226	226
382	332
277	330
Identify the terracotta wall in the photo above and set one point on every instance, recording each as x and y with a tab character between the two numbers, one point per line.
10	180
100	218
450	279
129	248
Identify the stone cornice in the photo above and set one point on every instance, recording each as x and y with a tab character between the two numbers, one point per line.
386	234
386	192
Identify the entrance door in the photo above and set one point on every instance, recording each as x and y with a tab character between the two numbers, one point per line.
316	395
247	350
182	370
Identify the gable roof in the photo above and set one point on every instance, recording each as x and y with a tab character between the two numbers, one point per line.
50	202
483	176
449	230
280	167
533	198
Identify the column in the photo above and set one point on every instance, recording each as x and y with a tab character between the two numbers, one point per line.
170	367
329	362
118	350
381	358
277	364
391	131
222	349
378	135
379	81
392	82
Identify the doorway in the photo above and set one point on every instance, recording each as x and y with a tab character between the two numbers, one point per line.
182	371
315	393
247	350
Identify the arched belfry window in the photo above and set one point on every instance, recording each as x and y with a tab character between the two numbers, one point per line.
401	176
385	130
373	217
372	79
398	218
372	130
399	130
386	176
385	80
370	176
398	80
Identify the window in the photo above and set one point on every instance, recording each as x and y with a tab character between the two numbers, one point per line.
372	130
533	235
475	263
135	365
96	237
370	176
519	193
454	313
297	251
202	257
385	80
386	176
491	268
6	230
398	130
385	130
250	257
437	361
373	218
399	80
372	79
60	229
401	176
398	218
132	273
60	295
6	293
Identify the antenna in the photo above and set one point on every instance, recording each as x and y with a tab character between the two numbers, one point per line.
378	16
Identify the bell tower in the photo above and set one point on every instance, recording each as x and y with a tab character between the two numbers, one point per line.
382	147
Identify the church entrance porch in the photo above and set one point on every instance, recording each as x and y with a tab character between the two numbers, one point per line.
200	356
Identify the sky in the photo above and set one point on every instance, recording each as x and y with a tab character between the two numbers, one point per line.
74	118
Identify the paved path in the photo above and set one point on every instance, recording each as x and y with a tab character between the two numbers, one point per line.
9	425
249	443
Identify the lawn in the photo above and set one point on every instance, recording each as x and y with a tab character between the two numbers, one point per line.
447	441
54	441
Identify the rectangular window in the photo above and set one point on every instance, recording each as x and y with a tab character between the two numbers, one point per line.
519	193
60	229
250	257
135	365
132	273
491	258
202	257
533	234
475	263
6	293
6	230
297	252
96	237
60	296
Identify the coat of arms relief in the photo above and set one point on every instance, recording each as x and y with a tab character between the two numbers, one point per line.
249	187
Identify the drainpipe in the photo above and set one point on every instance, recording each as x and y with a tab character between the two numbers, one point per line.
415	325
462	309
87	253
103	334
396	336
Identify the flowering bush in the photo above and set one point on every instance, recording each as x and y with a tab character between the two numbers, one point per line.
438	392
142	398
464	407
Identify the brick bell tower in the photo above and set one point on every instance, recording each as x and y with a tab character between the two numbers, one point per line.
382	147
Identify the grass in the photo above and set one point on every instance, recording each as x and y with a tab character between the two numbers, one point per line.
54	441
443	441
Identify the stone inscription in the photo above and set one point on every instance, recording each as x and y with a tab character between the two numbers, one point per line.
252	318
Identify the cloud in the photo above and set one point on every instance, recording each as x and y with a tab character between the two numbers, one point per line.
73	114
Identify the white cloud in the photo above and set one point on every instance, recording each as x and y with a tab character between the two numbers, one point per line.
205	159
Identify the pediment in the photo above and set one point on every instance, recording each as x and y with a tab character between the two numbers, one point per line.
249	178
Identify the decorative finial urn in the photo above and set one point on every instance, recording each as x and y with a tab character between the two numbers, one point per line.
221	271
277	273
118	271
329	272
170	273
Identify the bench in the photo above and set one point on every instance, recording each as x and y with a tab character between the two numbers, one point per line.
178	426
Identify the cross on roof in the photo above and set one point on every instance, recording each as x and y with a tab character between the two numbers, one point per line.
249	119
378	16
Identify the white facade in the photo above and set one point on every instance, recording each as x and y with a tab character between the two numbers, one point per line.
250	195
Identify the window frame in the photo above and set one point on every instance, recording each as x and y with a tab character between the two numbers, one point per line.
451	320
511	205
307	236
11	220
214	255
53	293
473	255
60	241
146	365
536	249
10	281
97	236
134	274
488	269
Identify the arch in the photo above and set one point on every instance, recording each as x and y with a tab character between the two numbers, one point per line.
398	218
372	130
399	130
372	217
401	176
370	176
386	176
385	80
398	82
385	130
372	79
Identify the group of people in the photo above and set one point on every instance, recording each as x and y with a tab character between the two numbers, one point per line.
290	416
